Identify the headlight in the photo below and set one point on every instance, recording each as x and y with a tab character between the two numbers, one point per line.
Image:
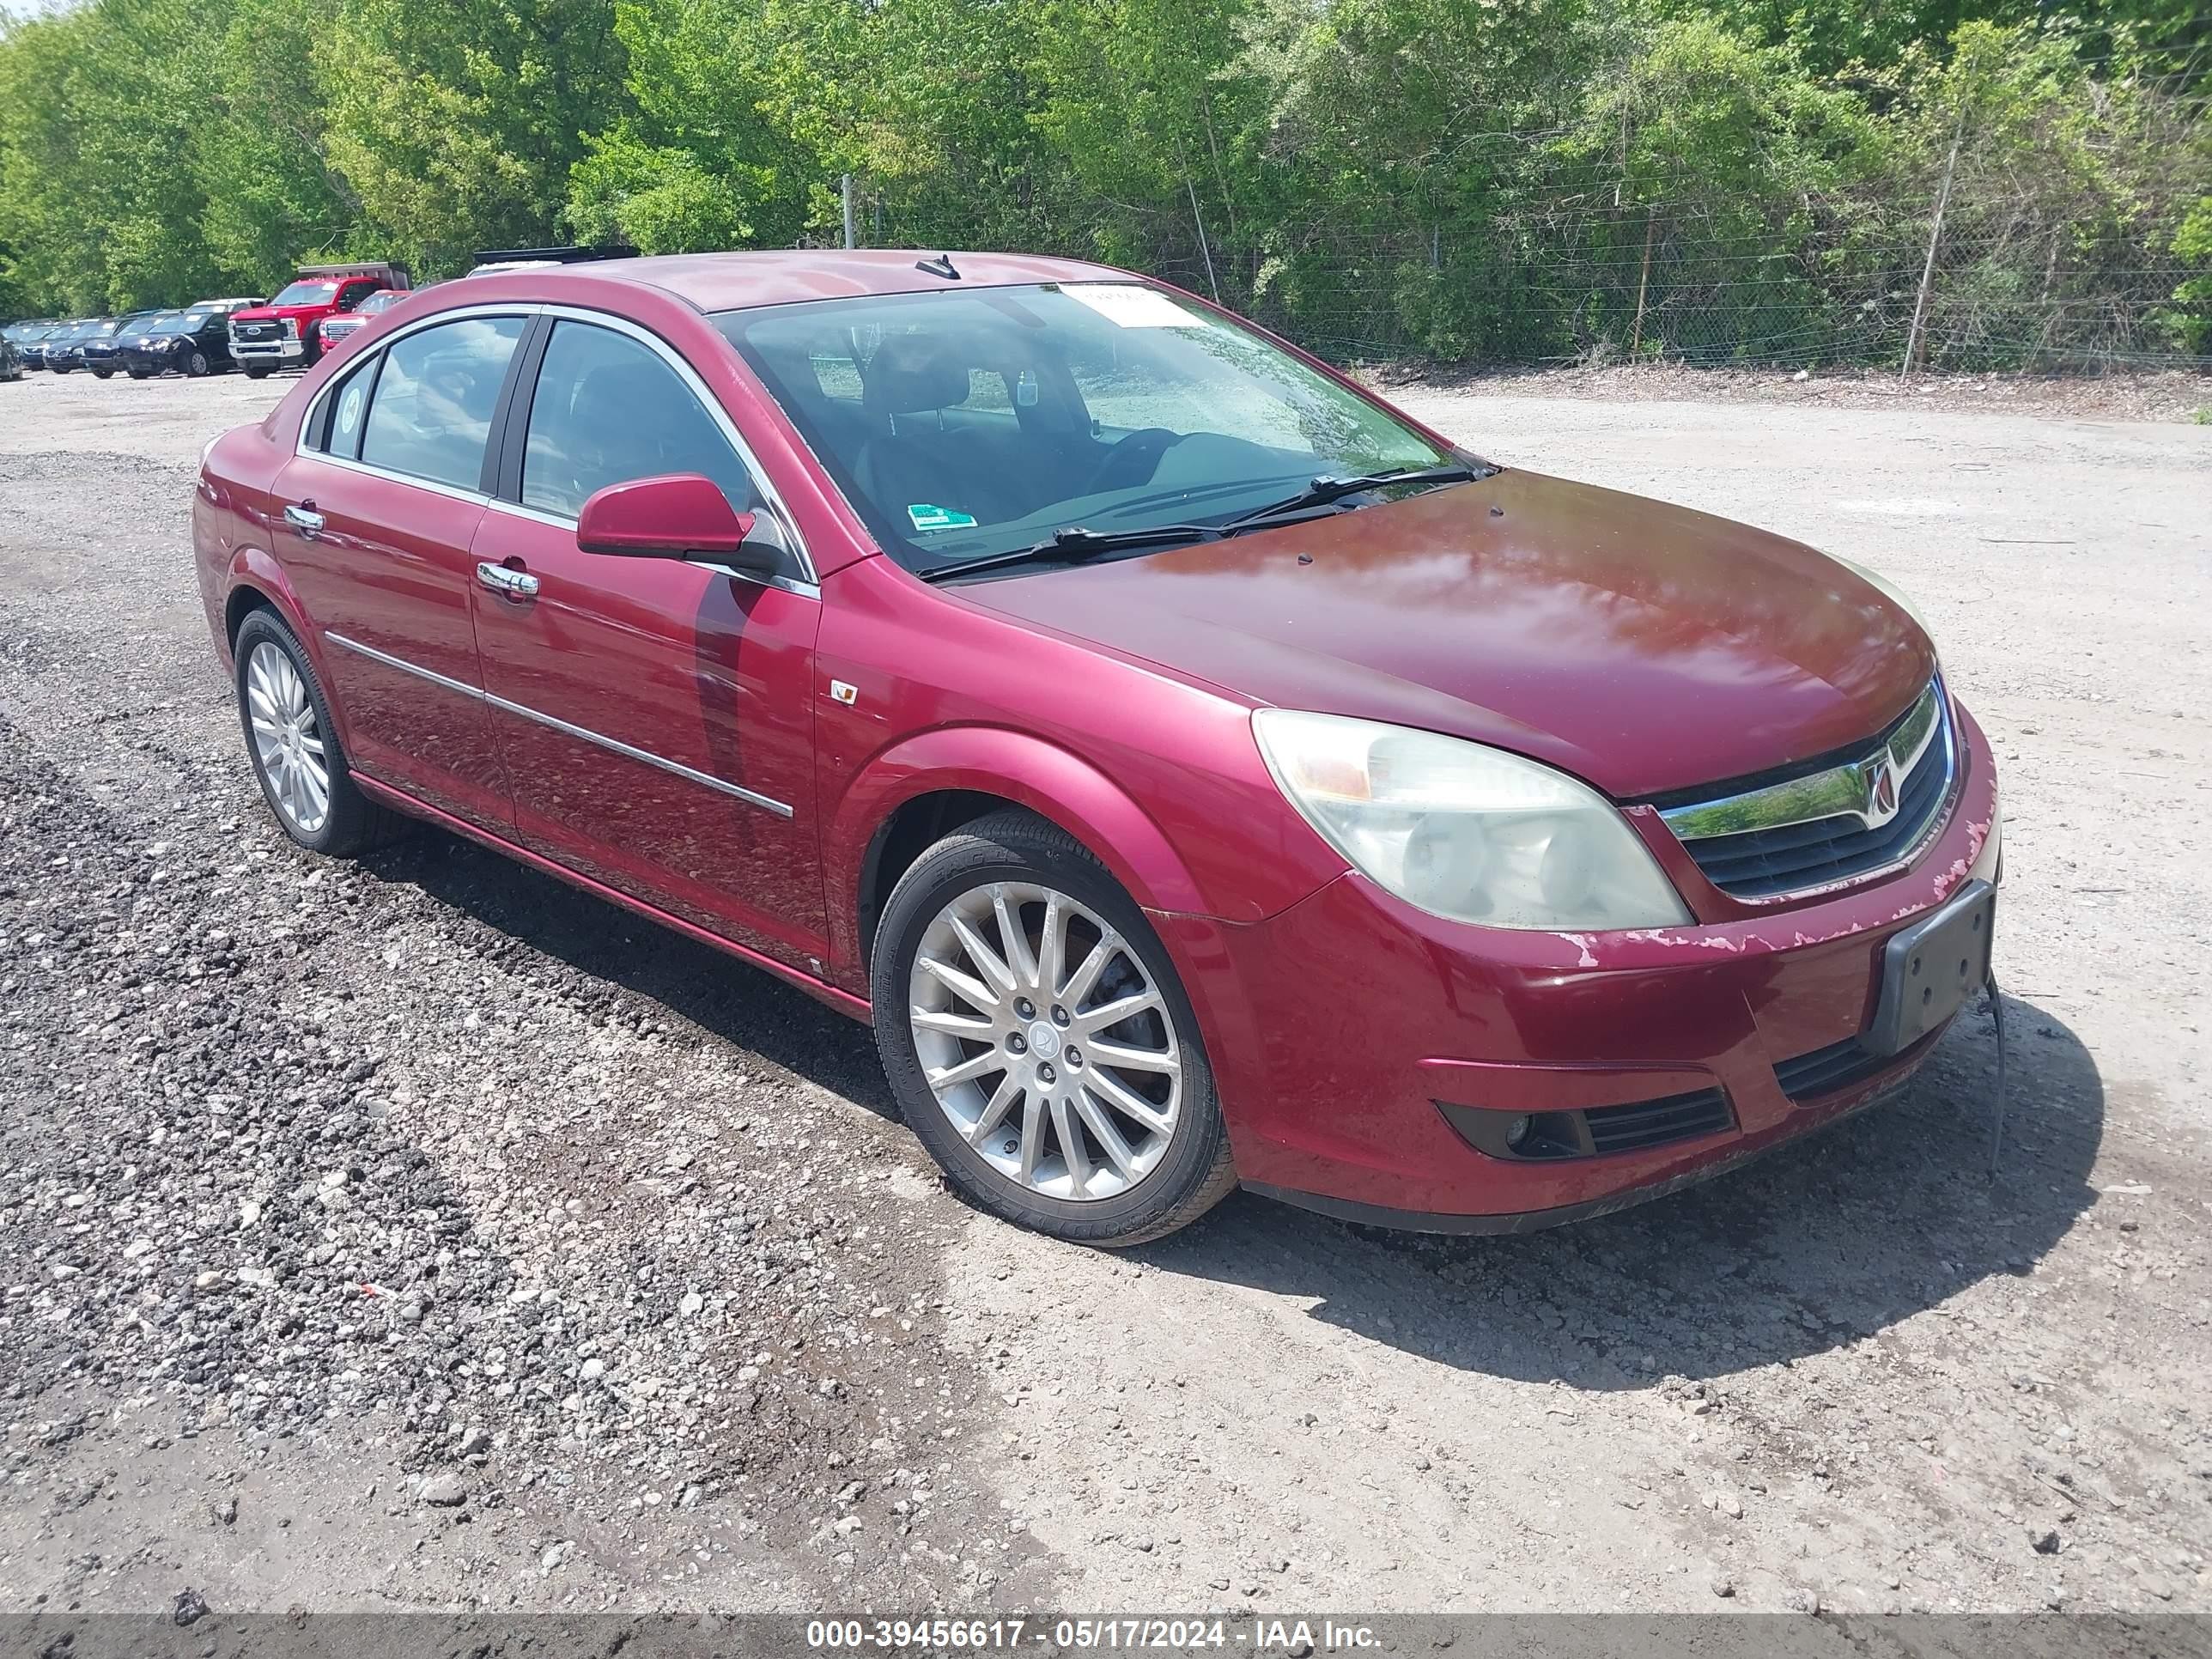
1464	831
1890	590
291	328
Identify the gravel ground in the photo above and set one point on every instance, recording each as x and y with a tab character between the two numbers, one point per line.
422	1233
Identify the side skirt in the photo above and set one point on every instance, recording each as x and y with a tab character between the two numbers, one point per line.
843	1001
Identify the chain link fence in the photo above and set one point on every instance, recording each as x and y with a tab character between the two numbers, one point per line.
1997	284
1982	262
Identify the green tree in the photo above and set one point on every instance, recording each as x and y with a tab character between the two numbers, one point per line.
454	123
263	150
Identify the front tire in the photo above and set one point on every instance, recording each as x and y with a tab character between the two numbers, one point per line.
294	745
255	371
1039	1042
198	365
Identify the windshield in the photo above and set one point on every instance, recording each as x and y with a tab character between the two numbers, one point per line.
307	293
967	423
175	322
382	299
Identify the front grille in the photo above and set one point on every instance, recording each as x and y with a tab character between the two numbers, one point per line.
1655	1123
1824	825
1826	1070
253	331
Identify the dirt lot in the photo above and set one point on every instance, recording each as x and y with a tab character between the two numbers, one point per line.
423	1233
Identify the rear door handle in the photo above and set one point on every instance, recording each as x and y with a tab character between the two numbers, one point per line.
305	519
513	584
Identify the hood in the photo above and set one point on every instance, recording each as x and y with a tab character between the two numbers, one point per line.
278	313
1643	647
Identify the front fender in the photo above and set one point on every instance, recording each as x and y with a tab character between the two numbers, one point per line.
1028	771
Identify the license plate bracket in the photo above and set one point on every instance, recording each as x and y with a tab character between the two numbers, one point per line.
1933	969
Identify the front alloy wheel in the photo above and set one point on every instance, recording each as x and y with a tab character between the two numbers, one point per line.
1039	1043
1044	1041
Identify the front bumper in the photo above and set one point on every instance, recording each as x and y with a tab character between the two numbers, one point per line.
269	351
156	359
1341	1027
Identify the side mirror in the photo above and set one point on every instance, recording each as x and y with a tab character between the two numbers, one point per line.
681	516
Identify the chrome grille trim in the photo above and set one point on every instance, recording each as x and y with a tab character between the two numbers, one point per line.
1840	825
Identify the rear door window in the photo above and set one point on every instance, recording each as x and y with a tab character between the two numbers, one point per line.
432	412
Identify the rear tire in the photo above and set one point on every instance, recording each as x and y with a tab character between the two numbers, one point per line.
294	745
1020	1064
102	373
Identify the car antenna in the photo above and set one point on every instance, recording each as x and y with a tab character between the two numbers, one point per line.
940	266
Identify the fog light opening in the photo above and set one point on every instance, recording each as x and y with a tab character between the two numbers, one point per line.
1517	1130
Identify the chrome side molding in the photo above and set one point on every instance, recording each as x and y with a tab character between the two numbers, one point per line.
582	734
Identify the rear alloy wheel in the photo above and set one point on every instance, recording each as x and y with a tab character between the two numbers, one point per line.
1039	1042
294	745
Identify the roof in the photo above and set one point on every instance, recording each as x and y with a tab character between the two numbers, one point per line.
725	282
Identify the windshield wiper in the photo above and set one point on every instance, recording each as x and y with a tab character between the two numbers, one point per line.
1324	490
1074	545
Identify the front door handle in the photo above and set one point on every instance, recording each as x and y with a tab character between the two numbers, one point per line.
304	518
510	584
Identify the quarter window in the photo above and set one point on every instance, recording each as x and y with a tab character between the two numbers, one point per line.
431	417
348	404
608	409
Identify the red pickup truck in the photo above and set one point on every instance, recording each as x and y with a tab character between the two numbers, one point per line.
287	333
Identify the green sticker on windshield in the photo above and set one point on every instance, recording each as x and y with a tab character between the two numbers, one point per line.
926	517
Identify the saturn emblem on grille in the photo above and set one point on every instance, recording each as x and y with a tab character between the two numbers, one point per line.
1880	776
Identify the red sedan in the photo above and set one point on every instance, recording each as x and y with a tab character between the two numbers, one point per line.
1196	770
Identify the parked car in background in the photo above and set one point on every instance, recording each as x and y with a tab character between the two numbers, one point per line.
25	336
97	350
287	333
41	337
11	360
1197	770
346	325
64	349
193	341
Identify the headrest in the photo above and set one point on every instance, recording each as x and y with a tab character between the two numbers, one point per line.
633	403
911	373
625	390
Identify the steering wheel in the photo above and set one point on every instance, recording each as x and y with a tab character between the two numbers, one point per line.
1145	446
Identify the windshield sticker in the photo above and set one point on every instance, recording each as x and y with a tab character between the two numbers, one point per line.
926	517
1127	305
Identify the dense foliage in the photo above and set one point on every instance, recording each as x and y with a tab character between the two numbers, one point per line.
1712	178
